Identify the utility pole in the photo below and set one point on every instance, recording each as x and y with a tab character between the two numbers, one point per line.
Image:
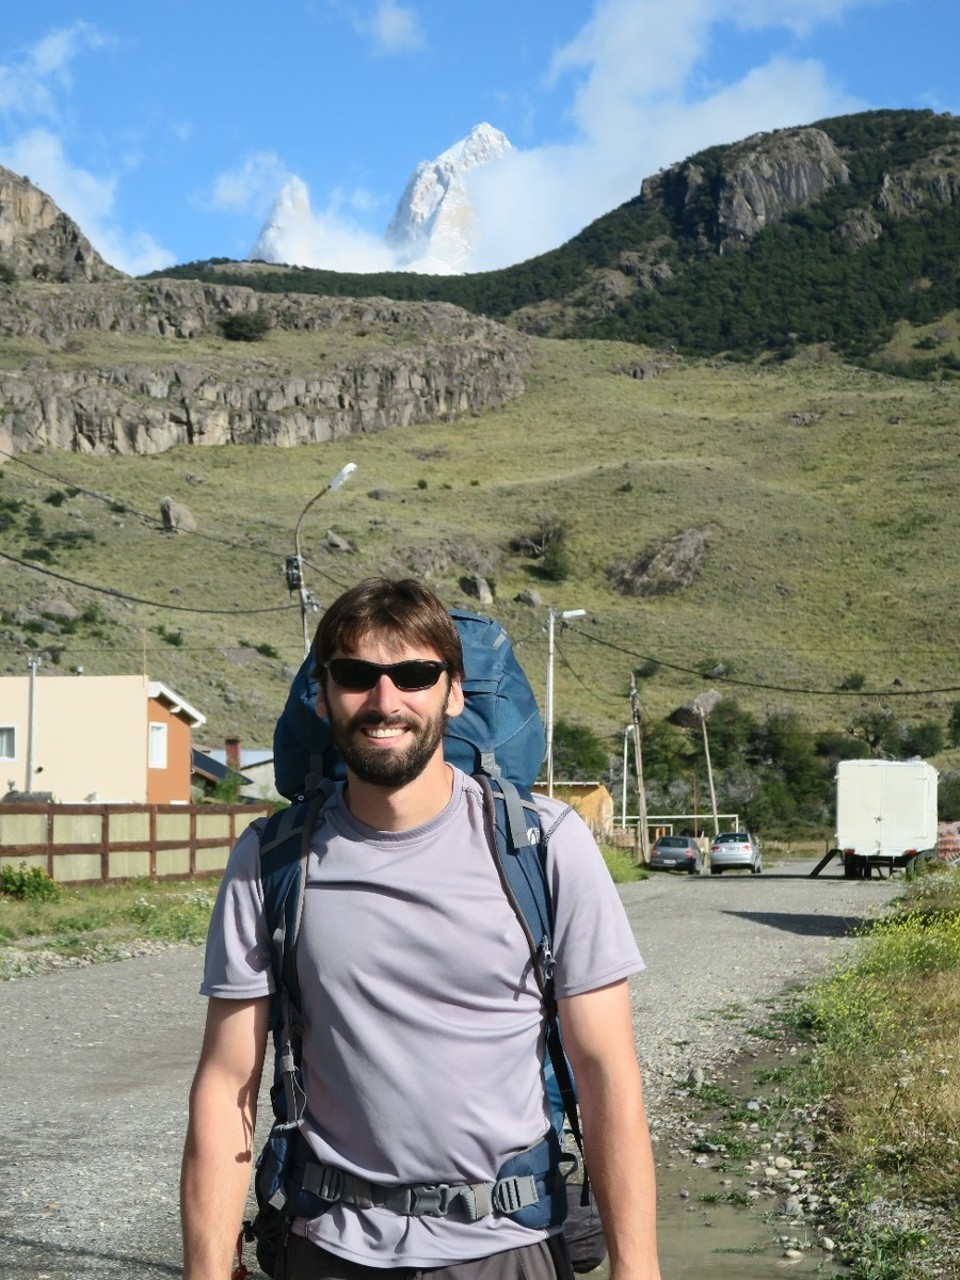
552	615
706	752
638	762
33	664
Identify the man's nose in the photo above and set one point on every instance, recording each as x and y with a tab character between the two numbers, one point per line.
383	695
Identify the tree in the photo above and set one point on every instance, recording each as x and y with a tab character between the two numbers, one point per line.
578	754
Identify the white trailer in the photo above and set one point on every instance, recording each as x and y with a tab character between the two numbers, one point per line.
886	814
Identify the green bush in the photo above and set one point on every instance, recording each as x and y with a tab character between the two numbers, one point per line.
31	884
246	326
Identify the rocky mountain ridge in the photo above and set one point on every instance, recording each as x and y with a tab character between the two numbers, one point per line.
39	241
414	362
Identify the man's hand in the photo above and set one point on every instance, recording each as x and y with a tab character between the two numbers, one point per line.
218	1153
597	1032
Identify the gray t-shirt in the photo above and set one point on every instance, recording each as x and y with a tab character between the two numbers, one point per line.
423	1035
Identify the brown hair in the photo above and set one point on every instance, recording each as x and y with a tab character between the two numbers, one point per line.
404	611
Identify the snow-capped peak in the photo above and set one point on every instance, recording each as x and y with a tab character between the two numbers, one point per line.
433	221
290	213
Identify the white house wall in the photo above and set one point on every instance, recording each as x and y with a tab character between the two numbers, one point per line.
89	737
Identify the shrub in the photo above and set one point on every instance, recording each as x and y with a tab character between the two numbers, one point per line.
30	884
246	326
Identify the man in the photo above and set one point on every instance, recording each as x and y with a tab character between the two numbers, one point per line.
422	1039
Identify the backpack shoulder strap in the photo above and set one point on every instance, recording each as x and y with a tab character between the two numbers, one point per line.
518	844
284	849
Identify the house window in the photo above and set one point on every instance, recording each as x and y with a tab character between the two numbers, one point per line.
157	758
8	742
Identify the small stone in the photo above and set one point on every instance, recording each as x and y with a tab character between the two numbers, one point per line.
827	1244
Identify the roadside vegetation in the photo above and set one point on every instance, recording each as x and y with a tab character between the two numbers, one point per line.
886	1029
44	924
841	1122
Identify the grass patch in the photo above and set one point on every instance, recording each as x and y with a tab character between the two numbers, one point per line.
113	914
885	1029
621	865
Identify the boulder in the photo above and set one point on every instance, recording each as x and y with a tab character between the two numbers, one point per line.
176	517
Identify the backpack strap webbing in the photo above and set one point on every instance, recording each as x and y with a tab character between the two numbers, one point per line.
518	844
284	849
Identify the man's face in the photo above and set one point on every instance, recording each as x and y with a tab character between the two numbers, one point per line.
388	736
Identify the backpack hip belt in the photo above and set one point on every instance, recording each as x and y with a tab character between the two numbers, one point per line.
473	1200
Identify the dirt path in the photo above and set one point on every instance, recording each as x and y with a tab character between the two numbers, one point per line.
96	1063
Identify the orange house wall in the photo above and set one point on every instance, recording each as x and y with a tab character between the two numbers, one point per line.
172	784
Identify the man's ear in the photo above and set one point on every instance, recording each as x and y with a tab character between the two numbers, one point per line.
455	699
321	703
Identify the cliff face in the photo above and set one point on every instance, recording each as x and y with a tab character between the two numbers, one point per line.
756	184
38	241
375	364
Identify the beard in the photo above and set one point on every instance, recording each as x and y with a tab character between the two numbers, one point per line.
384	767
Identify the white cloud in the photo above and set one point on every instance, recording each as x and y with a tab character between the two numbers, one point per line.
28	85
295	234
636	108
89	200
395	28
252	185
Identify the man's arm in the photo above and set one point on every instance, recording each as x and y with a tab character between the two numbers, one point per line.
218	1153
598	1038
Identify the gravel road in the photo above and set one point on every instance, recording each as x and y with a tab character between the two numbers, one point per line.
96	1061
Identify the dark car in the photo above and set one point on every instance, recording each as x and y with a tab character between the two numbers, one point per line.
677	853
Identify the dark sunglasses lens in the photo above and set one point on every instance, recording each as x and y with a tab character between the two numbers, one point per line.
359	676
411	676
353	674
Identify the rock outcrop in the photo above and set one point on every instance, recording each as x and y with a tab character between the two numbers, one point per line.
375	364
665	567
756	184
38	241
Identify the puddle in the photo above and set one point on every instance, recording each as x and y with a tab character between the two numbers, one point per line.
720	1241
702	1234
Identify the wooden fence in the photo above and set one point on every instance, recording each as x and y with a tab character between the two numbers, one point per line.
89	843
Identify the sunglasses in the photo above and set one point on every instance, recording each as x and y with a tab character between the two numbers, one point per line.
358	676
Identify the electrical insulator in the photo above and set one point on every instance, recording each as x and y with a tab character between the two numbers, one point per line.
293	573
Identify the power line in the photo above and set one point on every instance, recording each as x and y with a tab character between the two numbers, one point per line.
770	688
122	595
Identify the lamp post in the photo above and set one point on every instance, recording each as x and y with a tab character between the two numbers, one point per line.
552	615
295	562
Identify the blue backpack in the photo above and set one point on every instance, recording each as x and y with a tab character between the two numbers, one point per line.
499	739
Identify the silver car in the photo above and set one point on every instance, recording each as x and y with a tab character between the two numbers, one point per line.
735	849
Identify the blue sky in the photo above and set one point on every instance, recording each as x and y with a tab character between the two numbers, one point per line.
167	129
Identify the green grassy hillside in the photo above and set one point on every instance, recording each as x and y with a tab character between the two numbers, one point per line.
828	493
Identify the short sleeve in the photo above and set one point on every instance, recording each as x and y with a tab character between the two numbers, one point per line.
593	941
237	961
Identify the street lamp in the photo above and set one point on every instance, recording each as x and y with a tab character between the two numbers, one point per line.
294	568
552	615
